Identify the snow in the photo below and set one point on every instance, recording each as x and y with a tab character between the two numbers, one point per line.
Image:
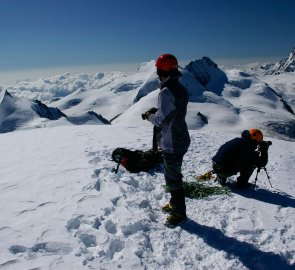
64	208
20	113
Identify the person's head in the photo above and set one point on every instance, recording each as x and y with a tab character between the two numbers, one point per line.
166	65
253	134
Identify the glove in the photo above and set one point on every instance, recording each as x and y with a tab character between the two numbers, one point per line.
152	110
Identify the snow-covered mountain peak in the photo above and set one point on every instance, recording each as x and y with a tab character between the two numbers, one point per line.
289	65
5	95
147	67
208	74
286	64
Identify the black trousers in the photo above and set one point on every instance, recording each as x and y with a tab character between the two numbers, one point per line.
245	172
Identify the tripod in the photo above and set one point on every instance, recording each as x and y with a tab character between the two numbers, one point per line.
258	171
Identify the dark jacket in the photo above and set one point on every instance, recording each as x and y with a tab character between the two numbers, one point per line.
173	135
239	154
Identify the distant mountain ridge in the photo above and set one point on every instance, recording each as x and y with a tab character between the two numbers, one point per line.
286	64
227	100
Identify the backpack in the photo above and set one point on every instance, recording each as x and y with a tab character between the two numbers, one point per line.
136	161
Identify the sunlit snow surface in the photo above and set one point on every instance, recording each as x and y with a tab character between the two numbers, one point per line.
62	207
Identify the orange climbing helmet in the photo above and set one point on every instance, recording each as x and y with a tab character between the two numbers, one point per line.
256	134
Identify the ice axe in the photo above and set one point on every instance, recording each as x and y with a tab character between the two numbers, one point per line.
117	159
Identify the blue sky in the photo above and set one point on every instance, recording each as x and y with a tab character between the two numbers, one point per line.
58	33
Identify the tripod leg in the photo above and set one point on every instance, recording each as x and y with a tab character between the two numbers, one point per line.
268	177
258	170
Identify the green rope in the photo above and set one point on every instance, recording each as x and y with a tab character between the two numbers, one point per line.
198	190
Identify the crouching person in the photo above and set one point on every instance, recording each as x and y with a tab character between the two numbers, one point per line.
172	134
241	155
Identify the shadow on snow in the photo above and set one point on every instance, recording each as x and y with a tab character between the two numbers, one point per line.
277	197
247	253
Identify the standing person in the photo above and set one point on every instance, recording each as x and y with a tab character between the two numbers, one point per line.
172	134
241	155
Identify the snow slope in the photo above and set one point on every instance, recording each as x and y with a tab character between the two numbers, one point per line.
115	97
16	112
64	208
284	84
20	113
230	101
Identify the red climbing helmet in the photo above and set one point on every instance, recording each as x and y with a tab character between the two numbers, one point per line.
167	62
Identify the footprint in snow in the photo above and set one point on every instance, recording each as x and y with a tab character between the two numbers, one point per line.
88	240
53	247
96	173
97	184
91	153
130	181
76	222
110	227
95	160
115	247
133	228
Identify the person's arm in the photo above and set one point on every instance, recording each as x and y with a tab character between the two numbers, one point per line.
166	107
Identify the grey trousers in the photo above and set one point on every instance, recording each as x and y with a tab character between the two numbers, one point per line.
173	179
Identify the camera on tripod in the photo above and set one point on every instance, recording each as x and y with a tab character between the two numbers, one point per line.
264	145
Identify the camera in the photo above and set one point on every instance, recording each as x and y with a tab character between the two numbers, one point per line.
264	145
145	115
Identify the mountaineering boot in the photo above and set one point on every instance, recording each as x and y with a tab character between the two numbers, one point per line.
242	185
175	219
167	208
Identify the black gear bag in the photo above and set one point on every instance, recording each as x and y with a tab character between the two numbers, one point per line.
136	161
